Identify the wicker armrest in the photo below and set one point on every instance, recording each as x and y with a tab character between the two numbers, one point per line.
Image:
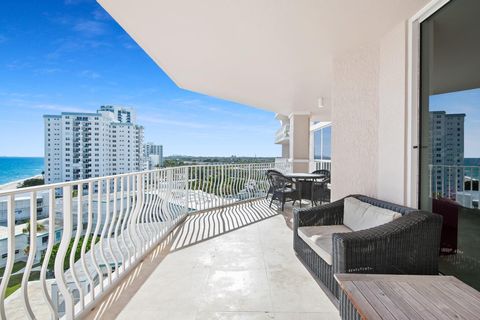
327	214
409	244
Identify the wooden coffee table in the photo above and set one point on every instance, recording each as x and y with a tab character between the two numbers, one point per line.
404	297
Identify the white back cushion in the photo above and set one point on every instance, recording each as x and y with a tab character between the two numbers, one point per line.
359	215
354	212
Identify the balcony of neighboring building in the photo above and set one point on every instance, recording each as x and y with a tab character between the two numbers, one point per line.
282	135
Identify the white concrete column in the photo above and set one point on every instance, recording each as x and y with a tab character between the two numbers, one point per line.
286	150
300	141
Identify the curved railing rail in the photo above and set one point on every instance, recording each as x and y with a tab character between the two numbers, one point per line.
64	246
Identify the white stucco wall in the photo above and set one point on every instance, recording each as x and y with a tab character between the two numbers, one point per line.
392	116
368	116
355	122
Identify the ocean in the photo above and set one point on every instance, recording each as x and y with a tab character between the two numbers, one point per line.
16	168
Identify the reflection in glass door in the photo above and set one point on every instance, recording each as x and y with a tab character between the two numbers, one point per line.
450	133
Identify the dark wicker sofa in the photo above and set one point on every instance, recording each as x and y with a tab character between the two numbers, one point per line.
407	245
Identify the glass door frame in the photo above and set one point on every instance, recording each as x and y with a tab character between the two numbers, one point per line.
412	179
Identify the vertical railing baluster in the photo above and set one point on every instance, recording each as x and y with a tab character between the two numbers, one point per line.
154	214
73	269
104	231
134	224
115	229
149	208
121	225
125	227
140	206
96	232
48	253
62	252
131	227
111	229
10	253
32	248
86	239
186	173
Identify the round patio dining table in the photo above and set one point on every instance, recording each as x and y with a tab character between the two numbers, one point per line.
304	182
304	176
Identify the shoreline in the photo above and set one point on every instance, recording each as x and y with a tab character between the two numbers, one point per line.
13	184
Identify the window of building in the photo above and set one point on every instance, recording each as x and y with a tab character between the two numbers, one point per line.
322	140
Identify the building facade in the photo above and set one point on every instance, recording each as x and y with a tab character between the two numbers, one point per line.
85	145
153	155
447	141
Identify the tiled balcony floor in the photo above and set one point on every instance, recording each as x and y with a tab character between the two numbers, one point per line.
234	263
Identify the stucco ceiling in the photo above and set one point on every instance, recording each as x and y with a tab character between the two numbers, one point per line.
455	60
271	54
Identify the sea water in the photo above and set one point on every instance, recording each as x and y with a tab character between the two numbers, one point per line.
17	168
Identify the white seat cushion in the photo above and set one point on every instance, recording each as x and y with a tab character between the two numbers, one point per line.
358	215
319	238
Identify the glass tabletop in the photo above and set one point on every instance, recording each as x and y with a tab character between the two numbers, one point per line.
306	175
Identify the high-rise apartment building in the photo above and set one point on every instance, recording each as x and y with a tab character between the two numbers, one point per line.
85	145
153	155
447	143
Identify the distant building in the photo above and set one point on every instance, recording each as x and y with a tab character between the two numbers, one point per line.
153	155
447	143
22	208
85	145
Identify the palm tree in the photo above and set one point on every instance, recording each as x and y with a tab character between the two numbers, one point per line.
26	230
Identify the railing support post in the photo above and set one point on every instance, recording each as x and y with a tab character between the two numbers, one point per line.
62	251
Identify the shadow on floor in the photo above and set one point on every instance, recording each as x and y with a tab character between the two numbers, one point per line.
195	229
207	225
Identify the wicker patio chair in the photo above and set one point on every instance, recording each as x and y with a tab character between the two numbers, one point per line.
320	190
270	188
407	245
283	189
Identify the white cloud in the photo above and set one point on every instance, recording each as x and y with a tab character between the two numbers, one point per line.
18	65
101	15
187	124
90	27
72	45
70	2
47	70
90	74
59	108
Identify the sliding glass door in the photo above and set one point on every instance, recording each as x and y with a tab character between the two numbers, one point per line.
450	133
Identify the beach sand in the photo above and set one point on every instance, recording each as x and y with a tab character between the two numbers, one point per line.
13	185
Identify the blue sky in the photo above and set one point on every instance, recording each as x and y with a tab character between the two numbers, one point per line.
70	55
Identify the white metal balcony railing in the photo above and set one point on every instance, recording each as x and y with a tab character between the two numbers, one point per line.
458	183
286	165
283	164
323	165
98	229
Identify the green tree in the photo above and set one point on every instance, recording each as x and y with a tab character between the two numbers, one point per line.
173	163
31	183
26	230
78	252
